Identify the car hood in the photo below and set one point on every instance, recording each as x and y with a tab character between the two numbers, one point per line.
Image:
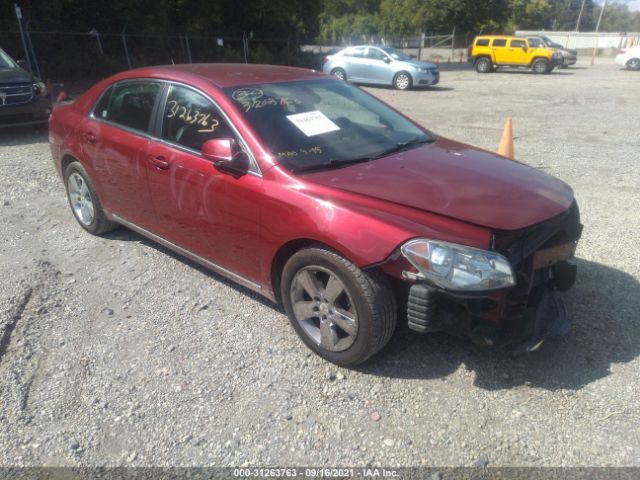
419	64
458	181
14	75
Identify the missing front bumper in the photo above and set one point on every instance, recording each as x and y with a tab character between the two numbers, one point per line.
543	317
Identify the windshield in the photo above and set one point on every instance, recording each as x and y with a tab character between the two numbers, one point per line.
323	123
397	54
5	61
551	43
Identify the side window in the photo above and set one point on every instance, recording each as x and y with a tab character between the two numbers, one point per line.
482	42
132	103
499	42
518	43
535	43
190	119
374	54
354	52
101	108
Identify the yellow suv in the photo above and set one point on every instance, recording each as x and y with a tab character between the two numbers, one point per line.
491	51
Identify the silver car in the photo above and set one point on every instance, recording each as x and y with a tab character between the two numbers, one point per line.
381	65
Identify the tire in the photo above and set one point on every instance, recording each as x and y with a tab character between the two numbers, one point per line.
402	81
541	66
342	313
339	73
484	65
84	202
634	64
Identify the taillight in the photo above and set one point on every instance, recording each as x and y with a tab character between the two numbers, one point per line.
470	50
623	51
325	60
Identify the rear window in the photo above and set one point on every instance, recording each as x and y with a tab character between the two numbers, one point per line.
482	42
131	104
498	42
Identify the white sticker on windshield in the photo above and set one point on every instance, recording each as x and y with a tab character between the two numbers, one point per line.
313	123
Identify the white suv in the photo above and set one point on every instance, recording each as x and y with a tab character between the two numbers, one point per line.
629	57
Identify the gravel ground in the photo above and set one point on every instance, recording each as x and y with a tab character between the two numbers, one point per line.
114	351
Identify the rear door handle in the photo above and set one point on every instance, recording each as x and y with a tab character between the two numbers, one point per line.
89	137
159	161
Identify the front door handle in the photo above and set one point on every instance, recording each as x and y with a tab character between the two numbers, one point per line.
159	161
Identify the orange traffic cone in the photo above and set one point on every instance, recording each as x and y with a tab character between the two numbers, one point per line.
506	142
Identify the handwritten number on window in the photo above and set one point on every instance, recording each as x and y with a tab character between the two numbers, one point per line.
193	118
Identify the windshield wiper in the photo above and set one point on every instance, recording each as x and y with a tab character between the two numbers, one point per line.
338	163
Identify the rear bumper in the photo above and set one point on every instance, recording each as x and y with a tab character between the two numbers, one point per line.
34	112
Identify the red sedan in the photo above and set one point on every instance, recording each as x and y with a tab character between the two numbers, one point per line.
321	197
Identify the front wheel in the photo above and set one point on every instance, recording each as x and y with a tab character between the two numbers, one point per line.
402	81
484	65
541	66
634	64
342	313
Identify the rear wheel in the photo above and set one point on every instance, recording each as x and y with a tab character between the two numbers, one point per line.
84	202
402	81
342	313
339	73
540	66
634	64
484	65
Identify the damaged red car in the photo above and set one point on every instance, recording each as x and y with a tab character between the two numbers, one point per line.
321	197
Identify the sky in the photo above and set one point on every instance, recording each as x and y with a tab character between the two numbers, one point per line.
633	4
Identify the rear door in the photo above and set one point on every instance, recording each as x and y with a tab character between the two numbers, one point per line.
115	138
500	53
212	214
355	64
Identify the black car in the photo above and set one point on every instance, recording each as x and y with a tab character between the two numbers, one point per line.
23	97
569	55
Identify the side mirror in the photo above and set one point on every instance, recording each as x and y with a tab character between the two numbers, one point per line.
226	155
386	60
525	48
22	64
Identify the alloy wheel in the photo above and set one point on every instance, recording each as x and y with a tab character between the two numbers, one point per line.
324	308
339	74
80	198
402	81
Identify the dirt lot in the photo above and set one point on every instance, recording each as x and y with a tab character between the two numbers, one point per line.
115	351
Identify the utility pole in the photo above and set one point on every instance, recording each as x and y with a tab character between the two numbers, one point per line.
604	5
22	37
580	15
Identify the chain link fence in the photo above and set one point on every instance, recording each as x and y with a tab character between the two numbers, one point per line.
72	56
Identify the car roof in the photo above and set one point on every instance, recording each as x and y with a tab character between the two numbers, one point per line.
225	74
497	36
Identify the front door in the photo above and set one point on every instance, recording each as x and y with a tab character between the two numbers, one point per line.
211	213
518	51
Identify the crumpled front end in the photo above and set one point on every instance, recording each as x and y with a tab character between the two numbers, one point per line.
523	315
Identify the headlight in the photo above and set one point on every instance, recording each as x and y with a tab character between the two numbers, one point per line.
40	89
457	267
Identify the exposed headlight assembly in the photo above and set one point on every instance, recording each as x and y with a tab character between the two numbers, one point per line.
458	267
40	89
